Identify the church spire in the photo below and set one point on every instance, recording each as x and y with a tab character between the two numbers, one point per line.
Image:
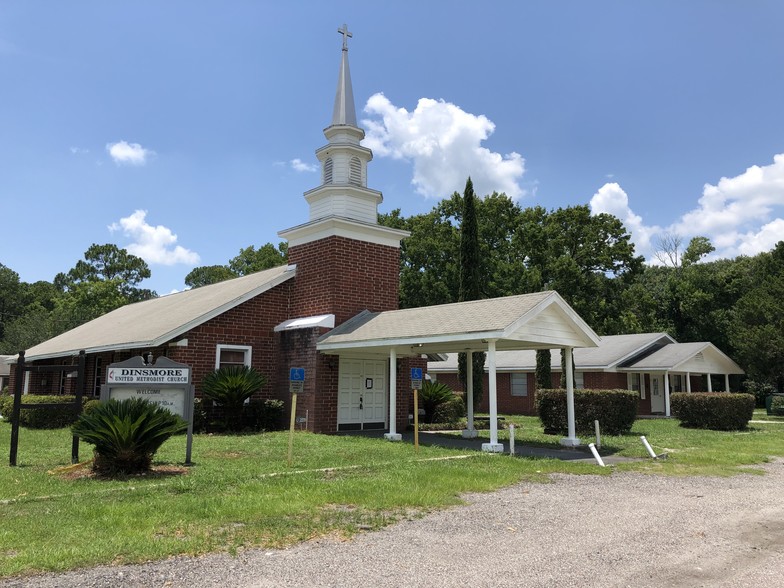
344	113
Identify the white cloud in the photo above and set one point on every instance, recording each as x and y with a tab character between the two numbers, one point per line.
741	215
733	211
79	151
444	144
300	166
154	244
612	199
124	153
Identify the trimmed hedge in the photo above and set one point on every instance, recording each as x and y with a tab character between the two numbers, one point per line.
42	418
777	405
718	411
450	411
616	410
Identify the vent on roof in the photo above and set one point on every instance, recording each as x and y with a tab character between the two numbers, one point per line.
355	172
328	170
699	358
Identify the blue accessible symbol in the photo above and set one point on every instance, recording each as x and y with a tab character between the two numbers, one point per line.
297	374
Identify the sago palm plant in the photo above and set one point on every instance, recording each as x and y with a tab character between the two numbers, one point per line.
230	387
126	434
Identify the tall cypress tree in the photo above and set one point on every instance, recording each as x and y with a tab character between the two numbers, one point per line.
470	287
544	377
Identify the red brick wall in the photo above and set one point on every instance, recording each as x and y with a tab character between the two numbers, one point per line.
344	277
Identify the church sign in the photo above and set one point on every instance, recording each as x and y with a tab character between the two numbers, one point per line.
166	384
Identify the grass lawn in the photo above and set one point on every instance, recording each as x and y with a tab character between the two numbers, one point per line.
241	492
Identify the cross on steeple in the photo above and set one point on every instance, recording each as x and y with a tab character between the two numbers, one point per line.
344	31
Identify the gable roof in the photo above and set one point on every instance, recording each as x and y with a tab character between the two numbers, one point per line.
699	357
626	353
526	321
153	322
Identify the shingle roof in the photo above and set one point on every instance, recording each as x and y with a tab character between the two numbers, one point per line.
612	350
153	322
449	323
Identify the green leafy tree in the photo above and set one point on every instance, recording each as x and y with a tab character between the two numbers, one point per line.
208	274
109	263
251	260
10	297
757	326
126	434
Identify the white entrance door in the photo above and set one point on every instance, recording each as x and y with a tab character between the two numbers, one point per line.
657	393
362	395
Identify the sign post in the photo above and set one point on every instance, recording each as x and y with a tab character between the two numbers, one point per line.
296	386
416	385
165	383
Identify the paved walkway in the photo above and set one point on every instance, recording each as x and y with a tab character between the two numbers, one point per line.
579	454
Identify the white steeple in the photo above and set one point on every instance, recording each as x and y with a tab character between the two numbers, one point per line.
343	198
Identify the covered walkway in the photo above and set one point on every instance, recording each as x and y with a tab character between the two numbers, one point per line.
529	321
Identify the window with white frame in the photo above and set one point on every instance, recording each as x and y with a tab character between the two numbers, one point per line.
579	380
634	384
226	355
677	383
519	384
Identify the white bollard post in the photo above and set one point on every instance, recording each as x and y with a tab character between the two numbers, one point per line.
598	435
511	439
648	447
596	455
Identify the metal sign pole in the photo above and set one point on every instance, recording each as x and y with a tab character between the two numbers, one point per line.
291	425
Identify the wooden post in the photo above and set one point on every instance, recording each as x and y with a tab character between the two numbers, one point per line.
20	374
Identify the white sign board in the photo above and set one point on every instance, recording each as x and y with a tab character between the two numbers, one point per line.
172	399
147	375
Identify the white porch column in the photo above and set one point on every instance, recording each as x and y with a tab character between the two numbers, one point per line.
393	435
571	439
666	393
710	385
688	382
470	432
494	446
726	382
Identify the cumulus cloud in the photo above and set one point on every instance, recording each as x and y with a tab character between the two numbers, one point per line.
154	244
612	199
300	166
741	215
445	145
124	153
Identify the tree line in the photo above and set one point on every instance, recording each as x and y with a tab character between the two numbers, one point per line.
737	304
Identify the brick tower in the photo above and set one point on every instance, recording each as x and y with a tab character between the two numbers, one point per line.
346	263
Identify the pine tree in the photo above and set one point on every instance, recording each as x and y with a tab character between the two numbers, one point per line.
544	377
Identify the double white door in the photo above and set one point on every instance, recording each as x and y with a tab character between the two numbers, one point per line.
362	394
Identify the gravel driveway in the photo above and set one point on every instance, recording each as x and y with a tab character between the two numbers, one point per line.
623	530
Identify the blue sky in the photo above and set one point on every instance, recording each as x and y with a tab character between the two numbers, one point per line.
185	131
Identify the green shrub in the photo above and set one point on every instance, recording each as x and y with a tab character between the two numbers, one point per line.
6	405
200	417
777	405
126	434
47	418
451	411
230	387
616	410
432	396
760	391
263	415
718	411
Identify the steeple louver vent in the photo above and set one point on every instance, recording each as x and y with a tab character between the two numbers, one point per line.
328	170
355	172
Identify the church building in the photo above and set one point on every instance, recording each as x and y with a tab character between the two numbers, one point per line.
333	310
